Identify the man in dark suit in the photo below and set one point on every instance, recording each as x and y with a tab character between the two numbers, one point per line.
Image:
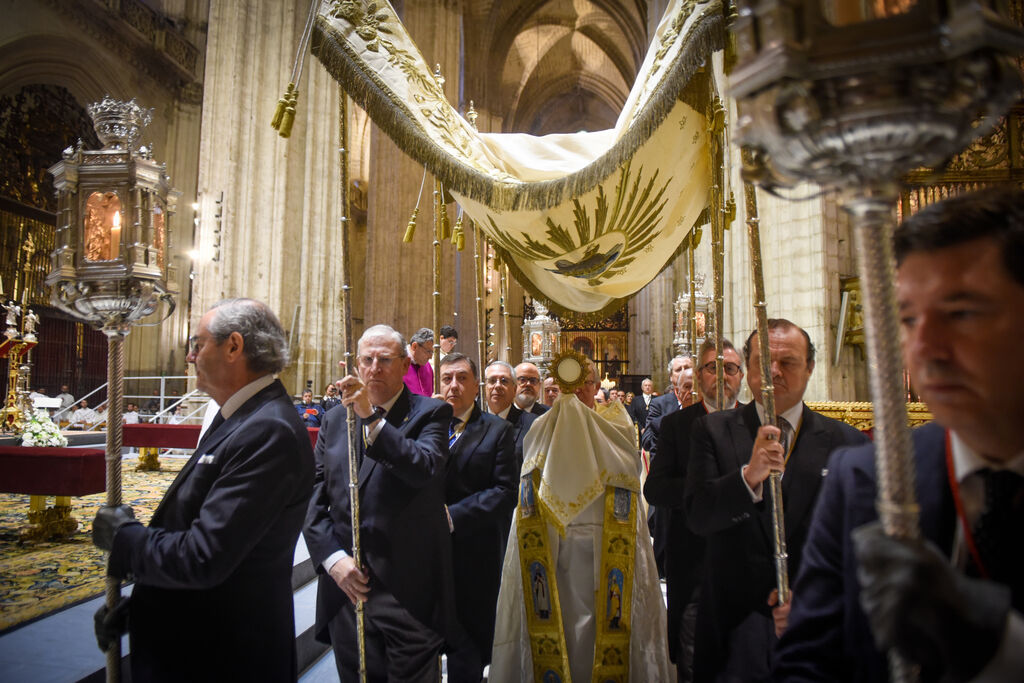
213	595
680	397
665	488
499	391
640	406
676	398
528	397
405	576
960	290
480	492
727	502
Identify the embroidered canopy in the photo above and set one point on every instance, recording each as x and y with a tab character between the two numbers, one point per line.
584	219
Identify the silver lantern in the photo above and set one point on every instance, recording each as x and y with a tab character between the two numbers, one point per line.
540	337
853	95
110	258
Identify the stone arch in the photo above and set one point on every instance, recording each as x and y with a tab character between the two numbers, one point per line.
73	65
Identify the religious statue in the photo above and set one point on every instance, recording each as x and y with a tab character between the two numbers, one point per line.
13	312
31	321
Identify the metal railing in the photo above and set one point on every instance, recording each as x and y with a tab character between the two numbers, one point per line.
167	404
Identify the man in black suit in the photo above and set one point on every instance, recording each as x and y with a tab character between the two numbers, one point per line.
500	389
665	488
480	492
960	291
405	576
680	396
528	397
641	404
213	595
675	398
727	502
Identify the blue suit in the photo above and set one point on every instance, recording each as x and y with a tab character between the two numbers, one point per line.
828	638
481	493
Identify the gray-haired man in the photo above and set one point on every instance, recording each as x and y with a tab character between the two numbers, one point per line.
213	569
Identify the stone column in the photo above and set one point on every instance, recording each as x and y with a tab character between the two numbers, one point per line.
277	199
399	276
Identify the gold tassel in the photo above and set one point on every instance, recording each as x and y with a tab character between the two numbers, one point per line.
446	225
410	229
459	236
457	231
730	211
288	119
281	104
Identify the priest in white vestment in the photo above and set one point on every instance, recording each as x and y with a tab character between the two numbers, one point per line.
579	514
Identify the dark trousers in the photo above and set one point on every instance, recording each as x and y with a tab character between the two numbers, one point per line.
687	634
465	664
751	646
398	646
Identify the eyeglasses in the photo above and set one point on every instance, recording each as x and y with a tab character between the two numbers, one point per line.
192	345
731	369
528	380
383	361
503	381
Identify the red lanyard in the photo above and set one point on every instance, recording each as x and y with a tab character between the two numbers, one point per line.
954	486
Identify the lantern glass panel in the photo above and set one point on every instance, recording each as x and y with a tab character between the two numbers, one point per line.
846	12
159	235
102	226
536	344
701	323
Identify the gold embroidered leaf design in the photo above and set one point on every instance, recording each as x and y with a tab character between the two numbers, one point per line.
371	26
608	236
350	10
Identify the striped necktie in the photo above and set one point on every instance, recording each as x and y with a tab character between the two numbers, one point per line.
454	431
786	433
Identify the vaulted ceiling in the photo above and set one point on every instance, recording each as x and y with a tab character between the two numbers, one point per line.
556	66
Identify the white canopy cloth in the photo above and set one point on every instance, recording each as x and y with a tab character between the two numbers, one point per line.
584	219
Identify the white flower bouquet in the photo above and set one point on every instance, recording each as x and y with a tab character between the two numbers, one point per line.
39	430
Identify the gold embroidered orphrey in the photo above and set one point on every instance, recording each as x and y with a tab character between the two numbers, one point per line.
613	597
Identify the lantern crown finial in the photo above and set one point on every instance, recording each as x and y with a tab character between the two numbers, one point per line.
119	124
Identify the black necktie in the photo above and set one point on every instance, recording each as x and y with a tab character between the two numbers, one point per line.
217	421
999	530
378	414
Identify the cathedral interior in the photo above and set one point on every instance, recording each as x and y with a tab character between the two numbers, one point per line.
258	215
253	212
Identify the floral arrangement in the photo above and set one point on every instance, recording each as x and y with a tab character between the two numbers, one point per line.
40	431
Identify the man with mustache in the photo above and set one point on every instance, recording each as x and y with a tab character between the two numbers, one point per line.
951	602
527	398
